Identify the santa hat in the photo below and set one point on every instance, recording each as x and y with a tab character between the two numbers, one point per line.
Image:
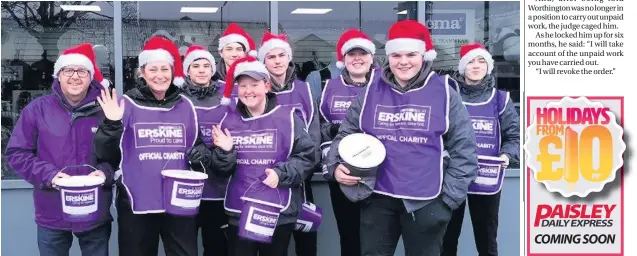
271	41
161	49
351	39
235	34
80	55
249	66
410	36
196	52
468	52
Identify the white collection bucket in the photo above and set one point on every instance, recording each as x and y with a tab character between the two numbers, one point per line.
361	154
80	197
182	191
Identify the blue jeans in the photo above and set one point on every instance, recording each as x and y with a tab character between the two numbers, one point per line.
93	242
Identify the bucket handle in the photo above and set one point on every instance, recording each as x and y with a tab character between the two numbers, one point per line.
76	166
178	151
79	165
259	180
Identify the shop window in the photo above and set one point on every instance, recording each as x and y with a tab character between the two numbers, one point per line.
202	25
313	34
33	35
494	24
377	18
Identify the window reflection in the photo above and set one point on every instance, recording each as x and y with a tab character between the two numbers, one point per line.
33	35
313	36
142	20
377	17
495	24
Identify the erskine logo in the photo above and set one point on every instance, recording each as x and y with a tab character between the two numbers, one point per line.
266	138
484	126
190	191
265	219
80	198
489	170
406	114
403	117
340	104
165	131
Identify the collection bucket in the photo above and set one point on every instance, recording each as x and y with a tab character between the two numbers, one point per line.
258	218
310	218
361	154
489	171
80	197
182	191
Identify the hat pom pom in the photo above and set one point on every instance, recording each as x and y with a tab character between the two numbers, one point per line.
105	83
340	64
225	101
430	55
179	81
252	53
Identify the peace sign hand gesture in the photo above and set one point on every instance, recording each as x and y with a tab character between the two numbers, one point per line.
112	110
222	139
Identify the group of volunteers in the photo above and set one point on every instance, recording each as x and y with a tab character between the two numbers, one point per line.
239	139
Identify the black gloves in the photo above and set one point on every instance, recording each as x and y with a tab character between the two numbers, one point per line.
334	129
195	155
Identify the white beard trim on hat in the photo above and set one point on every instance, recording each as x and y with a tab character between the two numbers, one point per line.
409	45
199	54
462	64
273	44
236	38
71	60
356	43
148	56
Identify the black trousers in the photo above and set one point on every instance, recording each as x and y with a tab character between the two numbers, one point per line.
484	217
347	214
305	242
213	221
139	233
384	219
243	247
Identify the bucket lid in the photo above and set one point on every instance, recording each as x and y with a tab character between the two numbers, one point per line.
80	181
362	150
185	174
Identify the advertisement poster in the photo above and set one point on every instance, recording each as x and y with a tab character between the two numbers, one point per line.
575	180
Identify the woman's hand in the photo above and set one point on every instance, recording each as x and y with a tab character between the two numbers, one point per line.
112	110
222	139
272	179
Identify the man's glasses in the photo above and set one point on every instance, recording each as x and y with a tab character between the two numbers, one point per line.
82	73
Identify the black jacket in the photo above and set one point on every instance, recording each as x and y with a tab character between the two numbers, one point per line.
509	119
208	96
108	135
460	169
314	128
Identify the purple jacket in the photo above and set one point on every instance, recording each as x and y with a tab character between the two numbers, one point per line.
51	135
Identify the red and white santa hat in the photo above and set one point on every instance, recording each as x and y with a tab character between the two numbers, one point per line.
410	36
468	52
161	49
271	41
80	55
196	52
351	39
235	34
248	66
